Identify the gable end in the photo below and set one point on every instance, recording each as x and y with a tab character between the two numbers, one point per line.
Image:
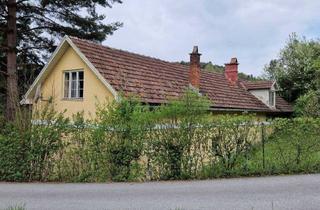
54	59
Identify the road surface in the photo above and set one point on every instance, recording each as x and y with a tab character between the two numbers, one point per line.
270	193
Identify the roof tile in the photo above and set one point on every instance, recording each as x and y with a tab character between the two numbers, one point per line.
156	81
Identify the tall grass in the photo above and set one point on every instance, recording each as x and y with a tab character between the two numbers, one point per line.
16	207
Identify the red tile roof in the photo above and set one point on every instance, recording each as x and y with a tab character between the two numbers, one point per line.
282	105
255	85
155	81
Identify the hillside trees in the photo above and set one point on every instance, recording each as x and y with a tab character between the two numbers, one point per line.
209	66
29	31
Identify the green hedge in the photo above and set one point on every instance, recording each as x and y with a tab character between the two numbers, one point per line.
129	141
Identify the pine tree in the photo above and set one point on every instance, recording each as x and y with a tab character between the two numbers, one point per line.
29	31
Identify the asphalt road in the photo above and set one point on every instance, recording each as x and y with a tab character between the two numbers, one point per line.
271	193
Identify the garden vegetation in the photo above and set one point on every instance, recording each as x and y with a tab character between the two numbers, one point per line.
131	141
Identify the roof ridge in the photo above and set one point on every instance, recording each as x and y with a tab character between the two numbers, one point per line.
142	55
244	80
126	51
213	72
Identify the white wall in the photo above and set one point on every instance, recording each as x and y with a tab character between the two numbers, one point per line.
262	95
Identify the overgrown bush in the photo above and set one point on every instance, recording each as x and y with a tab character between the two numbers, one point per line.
46	141
308	105
73	161
296	142
14	149
130	141
232	138
174	144
28	151
117	138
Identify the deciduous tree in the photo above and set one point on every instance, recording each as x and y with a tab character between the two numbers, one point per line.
296	67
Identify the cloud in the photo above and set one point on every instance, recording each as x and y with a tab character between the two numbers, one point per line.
252	30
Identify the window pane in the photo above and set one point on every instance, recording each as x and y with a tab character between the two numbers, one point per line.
73	88
271	98
74	76
274	98
74	84
66	84
81	93
80	89
80	75
80	84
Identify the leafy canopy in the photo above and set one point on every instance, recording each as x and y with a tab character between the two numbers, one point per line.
296	68
40	23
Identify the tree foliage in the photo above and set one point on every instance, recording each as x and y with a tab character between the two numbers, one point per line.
40	23
308	105
119	131
27	152
296	140
232	137
209	66
296	68
172	146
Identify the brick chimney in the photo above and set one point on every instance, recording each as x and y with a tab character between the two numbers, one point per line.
194	72
231	70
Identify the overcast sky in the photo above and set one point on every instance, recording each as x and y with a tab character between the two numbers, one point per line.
251	30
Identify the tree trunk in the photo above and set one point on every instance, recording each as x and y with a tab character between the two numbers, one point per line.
12	79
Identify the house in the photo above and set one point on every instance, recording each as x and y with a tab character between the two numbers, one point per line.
81	74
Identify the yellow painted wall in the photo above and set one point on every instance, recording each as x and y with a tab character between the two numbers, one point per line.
259	116
94	90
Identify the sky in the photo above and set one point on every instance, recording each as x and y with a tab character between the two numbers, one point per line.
254	31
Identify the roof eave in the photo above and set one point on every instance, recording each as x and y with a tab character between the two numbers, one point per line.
229	109
53	59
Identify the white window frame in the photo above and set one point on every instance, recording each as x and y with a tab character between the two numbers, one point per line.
273	93
77	97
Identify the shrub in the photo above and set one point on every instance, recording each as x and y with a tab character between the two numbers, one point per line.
27	151
14	154
118	136
232	138
73	161
46	141
296	141
308	105
172	149
130	141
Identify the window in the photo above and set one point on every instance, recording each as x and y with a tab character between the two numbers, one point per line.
73	84
272	98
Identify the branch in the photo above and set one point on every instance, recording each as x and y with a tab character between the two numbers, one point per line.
21	1
37	28
3	72
4	16
4	47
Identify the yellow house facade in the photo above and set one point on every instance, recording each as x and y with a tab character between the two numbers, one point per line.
50	85
82	74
